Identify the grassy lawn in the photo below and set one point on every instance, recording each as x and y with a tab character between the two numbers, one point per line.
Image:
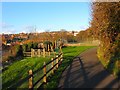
19	70
68	54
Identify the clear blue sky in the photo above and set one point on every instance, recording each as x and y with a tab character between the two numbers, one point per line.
24	16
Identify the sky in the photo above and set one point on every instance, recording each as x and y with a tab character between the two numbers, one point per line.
20	17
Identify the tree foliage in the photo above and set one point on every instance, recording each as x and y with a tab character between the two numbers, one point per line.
106	26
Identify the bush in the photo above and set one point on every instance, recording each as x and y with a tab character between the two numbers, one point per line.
11	58
30	45
19	51
35	45
25	47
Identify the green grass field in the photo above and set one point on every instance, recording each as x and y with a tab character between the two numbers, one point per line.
19	69
68	54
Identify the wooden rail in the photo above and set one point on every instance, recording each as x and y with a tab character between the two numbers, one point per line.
55	62
27	54
38	54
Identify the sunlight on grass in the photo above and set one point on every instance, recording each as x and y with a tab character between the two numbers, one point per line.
19	69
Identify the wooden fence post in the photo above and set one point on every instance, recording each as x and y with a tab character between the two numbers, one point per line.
52	48
32	52
48	48
44	71
54	54
60	49
38	52
52	65
30	79
57	62
61	57
43	52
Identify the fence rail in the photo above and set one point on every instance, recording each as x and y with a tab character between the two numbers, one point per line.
27	54
38	54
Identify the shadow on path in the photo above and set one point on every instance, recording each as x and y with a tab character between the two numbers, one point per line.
87	72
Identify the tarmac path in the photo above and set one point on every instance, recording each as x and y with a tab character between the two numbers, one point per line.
86	71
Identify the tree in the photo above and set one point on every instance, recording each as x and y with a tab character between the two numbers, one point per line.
106	25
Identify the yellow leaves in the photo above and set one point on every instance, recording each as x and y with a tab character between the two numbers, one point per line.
117	63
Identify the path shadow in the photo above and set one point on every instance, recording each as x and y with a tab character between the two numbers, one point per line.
85	77
84	74
88	81
66	82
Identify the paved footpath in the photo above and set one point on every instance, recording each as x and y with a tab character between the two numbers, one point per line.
87	72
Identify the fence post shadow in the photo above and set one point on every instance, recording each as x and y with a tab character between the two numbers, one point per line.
85	77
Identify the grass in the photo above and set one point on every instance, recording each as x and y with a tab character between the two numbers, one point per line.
19	70
111	64
68	54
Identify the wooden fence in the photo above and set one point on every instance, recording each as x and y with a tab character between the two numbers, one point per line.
38	53
55	62
27	54
41	74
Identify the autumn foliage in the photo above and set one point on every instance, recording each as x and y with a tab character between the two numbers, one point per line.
106	26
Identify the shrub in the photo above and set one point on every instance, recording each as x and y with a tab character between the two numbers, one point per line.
25	47
30	45
19	51
35	45
11	58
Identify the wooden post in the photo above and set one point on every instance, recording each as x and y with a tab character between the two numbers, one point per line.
44	71
54	54
43	52
55	44
31	52
61	57
49	53
52	49
60	49
52	65
38	52
48	48
57	62
30	79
